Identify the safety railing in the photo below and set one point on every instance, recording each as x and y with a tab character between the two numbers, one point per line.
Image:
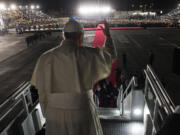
158	101
16	105
121	96
124	93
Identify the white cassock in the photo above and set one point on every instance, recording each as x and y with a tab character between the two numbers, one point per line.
64	77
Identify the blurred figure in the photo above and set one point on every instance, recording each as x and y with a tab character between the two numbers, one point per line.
124	59
118	76
151	57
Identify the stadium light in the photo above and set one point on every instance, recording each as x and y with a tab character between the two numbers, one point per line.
20	6
2	6
37	6
106	9
92	10
32	6
13	7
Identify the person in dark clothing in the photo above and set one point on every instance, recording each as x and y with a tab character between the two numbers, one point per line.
105	95
115	95
112	95
151	58
124	59
118	76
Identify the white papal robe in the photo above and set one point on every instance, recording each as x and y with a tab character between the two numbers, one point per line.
64	77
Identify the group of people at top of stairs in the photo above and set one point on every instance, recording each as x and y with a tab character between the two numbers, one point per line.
107	90
107	93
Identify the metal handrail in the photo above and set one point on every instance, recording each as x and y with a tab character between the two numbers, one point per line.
160	92
131	83
19	89
153	88
123	93
4	115
16	97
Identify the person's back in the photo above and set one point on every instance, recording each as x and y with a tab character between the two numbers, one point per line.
73	65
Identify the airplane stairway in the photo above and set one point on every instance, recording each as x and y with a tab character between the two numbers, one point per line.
139	111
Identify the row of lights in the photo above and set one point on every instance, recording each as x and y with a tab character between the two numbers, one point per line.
15	7
145	13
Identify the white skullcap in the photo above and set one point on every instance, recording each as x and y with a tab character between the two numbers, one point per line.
73	26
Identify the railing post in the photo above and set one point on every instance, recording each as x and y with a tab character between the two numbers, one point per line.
121	101
25	103
146	87
29	96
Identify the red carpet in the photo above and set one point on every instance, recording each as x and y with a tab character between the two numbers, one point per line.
115	28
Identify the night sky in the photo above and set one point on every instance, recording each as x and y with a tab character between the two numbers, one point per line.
117	4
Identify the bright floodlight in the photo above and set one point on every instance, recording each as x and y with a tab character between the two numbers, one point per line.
20	6
32	6
37	6
13	7
92	10
137	112
2	6
106	9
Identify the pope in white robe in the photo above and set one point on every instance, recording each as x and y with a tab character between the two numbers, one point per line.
64	77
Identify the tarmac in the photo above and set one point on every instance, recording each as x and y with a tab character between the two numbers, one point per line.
11	44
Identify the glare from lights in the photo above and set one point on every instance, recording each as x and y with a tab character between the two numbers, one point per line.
152	13
26	6
2	6
146	110
37	6
32	6
161	11
127	112
137	128
106	9
20	6
92	10
137	112
96	9
13	7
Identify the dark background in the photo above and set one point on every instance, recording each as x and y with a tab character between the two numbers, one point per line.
58	5
117	4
